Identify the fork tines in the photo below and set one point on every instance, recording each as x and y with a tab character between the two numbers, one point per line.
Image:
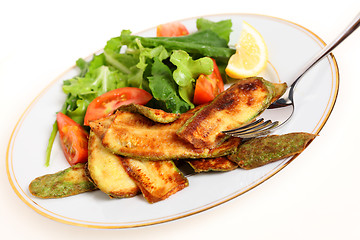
254	129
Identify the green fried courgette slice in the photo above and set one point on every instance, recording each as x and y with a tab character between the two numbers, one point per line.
107	172
68	182
135	136
157	115
238	105
157	180
220	164
260	151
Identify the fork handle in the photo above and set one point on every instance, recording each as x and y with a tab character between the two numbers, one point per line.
328	48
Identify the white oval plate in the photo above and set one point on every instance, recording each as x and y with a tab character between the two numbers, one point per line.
290	47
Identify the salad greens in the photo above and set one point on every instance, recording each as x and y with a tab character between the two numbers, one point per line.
221	28
97	80
166	67
186	72
205	42
164	89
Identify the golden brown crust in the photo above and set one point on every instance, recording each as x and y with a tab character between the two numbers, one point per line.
157	179
100	126
157	115
212	164
280	89
136	136
107	172
239	104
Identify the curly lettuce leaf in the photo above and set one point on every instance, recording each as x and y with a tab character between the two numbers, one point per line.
132	58
187	71
82	90
149	53
114	57
146	58
164	89
97	82
83	67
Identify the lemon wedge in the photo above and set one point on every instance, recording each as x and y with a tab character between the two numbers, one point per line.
251	54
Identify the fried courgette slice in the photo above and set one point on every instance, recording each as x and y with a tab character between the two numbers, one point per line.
107	172
157	179
68	182
280	89
135	136
238	105
100	126
157	115
260	151
220	164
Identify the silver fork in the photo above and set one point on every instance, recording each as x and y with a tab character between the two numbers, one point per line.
285	104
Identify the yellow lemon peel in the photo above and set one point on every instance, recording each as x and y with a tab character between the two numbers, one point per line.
251	54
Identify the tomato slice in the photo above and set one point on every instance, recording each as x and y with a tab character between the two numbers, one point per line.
208	86
105	104
173	29
74	139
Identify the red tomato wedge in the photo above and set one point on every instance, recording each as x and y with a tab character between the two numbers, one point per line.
208	86
74	139
173	29
105	104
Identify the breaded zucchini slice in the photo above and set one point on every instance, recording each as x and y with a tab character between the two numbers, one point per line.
135	136
260	151
157	179
238	105
220	164
157	115
107	172
68	182
100	126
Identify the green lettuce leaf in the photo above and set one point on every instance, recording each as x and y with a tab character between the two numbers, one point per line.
205	43
114	57
96	82
221	28
83	67
82	90
146	59
164	89
187	71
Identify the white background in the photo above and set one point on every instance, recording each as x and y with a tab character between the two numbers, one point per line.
316	197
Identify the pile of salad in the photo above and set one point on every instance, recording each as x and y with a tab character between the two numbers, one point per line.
174	71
